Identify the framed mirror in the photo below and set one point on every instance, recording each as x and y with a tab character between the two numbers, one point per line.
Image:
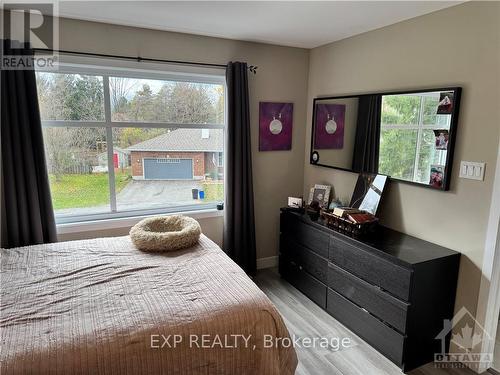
408	136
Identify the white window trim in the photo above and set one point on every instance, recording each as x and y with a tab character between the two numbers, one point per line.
125	222
106	68
412	127
144	69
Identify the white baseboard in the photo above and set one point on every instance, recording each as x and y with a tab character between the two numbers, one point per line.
268	262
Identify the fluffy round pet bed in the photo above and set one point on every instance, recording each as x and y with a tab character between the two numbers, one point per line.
166	233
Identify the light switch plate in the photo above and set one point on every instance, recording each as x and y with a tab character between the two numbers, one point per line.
472	170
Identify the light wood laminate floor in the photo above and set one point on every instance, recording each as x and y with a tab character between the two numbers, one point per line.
306	319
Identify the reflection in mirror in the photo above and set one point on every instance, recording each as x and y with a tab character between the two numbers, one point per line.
414	136
407	136
334	131
366	149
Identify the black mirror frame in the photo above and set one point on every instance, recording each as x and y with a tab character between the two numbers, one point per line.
452	132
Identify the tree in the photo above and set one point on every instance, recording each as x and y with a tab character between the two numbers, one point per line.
70	97
397	153
81	97
72	150
219	109
43	85
120	88
56	150
161	103
85	99
126	137
141	107
400	109
190	103
398	147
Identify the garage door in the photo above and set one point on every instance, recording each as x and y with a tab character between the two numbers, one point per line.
168	169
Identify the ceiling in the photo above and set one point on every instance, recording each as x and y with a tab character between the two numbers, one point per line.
305	24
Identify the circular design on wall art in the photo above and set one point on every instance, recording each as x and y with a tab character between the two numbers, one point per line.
315	157
275	127
331	126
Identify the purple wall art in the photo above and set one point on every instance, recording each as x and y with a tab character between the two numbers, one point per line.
275	126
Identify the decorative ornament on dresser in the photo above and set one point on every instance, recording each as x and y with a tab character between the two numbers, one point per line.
275	126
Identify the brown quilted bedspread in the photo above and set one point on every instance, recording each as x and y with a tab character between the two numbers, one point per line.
103	307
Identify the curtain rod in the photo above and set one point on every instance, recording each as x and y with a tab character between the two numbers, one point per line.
251	68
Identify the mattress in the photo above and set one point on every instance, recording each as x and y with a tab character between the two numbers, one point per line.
103	307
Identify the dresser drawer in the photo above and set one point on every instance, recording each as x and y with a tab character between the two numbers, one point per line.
384	306
311	262
306	235
380	336
307	284
372	268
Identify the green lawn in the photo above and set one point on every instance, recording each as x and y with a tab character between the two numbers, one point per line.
214	191
85	190
90	190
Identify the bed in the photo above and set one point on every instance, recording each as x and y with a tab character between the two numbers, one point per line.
101	306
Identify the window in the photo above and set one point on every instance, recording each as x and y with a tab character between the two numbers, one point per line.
124	142
165	161
409	124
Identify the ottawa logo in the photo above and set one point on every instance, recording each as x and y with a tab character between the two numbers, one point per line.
467	335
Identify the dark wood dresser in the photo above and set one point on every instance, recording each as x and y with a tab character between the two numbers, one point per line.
391	289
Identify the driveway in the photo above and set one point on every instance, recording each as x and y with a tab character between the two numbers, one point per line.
145	194
141	194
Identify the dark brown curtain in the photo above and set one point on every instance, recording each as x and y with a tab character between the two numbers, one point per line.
239	225
367	141
27	217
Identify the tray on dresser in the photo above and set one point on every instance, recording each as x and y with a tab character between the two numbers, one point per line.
345	226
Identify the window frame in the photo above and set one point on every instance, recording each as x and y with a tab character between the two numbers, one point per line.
106	68
420	127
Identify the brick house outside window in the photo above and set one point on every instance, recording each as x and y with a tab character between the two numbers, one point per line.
181	154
